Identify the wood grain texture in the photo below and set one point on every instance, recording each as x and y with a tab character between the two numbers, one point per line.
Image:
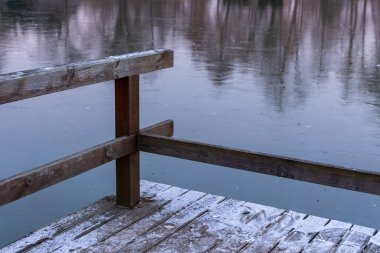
164	128
52	173
328	237
145	225
296	240
373	245
126	223
127	122
351	179
172	219
204	232
165	229
44	176
31	83
254	219
41	235
101	220
274	233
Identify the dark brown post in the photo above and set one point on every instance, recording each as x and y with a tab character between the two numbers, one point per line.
127	123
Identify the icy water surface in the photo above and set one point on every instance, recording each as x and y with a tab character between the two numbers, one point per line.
295	78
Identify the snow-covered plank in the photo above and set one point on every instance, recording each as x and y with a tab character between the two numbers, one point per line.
373	245
252	219
364	230
206	231
170	226
48	232
328	238
171	219
296	240
269	237
67	222
99	220
355	239
128	231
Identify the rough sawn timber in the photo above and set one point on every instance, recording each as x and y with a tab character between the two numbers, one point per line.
172	219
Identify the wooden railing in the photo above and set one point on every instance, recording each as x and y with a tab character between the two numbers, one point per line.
130	139
125	70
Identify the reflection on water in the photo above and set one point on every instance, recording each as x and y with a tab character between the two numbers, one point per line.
289	44
297	78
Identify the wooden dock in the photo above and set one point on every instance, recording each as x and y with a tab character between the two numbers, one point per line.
164	218
172	219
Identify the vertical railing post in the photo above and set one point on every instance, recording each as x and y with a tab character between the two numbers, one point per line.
127	123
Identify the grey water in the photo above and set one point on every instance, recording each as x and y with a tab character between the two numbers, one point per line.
293	78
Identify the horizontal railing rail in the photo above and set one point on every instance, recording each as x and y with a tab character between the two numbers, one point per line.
312	172
52	173
31	83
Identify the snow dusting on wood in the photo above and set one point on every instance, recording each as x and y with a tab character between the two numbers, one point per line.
172	219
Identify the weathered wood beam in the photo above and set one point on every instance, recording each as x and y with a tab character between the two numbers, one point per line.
341	177
31	83
44	176
164	128
37	179
127	122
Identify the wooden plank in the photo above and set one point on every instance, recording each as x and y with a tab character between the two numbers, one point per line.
202	233
254	219
296	240
87	226
44	176
355	240
268	238
351	179
167	228
206	231
36	82
109	236
364	230
171	219
164	128
44	234
98	220
127	122
127	219
232	222
328	237
373	245
152	191
69	221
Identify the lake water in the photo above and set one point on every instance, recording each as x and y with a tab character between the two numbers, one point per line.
294	78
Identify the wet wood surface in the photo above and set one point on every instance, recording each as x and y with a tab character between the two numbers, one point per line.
31	83
172	219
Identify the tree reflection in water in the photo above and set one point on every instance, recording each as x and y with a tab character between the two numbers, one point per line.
289	44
